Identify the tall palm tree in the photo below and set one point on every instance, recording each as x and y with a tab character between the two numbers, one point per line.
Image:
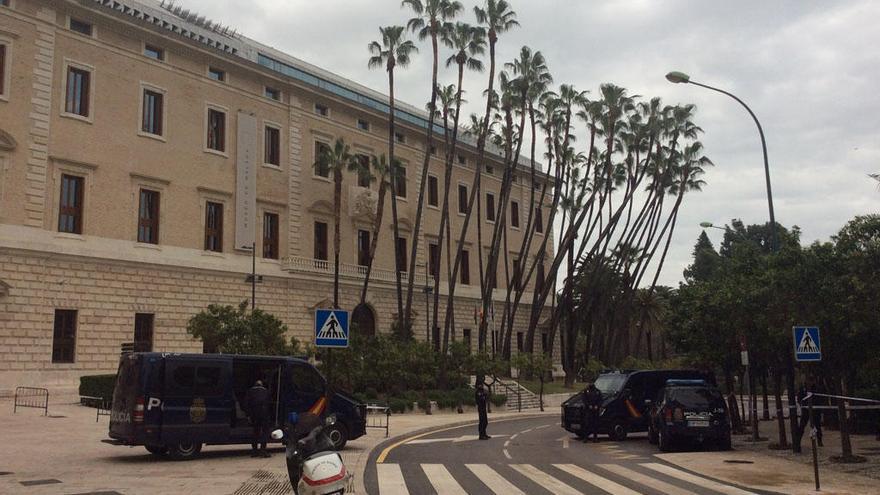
393	50
337	159
382	173
430	21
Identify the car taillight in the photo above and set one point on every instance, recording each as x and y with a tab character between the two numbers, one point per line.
669	415
138	415
678	415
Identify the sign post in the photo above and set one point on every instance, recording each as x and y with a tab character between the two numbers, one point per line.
808	348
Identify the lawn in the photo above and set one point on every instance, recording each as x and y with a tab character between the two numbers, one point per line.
555	387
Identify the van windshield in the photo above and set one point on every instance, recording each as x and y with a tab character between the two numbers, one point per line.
610	384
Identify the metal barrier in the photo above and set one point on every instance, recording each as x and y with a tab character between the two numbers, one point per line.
37	398
101	405
378	417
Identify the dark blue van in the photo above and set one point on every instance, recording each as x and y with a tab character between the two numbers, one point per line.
173	404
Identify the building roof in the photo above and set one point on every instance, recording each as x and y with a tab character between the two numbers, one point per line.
189	25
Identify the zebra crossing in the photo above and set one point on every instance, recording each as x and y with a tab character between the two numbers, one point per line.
645	478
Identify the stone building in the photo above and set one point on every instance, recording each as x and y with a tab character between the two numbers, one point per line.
143	154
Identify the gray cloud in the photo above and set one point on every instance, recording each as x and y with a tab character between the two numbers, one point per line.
809	70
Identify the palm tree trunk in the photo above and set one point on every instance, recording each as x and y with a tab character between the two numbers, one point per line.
444	225
337	202
402	331
374	241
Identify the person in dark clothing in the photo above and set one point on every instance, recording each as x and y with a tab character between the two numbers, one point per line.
805	412
481	391
592	401
257	406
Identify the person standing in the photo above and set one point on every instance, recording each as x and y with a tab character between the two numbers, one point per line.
481	391
592	402
257	406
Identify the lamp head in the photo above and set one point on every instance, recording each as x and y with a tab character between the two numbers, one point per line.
706	225
678	77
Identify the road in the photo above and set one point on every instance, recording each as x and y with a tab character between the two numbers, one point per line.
528	456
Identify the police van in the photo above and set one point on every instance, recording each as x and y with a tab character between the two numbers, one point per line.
173	404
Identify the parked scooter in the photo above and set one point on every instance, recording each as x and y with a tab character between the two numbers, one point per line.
313	465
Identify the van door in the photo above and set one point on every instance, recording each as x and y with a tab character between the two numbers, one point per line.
198	403
307	387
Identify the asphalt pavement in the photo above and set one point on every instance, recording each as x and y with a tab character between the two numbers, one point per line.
528	456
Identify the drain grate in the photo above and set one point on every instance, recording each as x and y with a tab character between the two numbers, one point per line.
39	482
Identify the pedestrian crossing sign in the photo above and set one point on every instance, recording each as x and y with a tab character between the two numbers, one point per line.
331	328
807	346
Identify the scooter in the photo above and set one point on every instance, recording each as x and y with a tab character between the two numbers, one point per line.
313	465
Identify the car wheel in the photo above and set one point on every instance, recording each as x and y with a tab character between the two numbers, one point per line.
184	450
157	450
618	431
338	434
665	442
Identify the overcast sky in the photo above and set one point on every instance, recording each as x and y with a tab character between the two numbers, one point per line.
810	70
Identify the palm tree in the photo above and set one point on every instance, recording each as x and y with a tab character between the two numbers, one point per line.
430	21
337	160
875	176
394	50
382	173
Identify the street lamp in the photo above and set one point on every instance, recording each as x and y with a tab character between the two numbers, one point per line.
677	77
253	278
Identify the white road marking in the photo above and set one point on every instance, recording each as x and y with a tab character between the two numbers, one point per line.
513	437
696	480
463	438
542	426
545	480
596	480
646	480
390	480
506	454
440	479
564	439
507	444
493	480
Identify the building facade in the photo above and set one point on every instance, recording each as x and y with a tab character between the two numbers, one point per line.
143	156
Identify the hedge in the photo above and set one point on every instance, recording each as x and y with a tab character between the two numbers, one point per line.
97	386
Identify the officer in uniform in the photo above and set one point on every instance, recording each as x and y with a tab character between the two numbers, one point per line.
257	406
481	391
592	402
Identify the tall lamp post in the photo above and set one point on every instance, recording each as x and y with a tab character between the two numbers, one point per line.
677	77
253	278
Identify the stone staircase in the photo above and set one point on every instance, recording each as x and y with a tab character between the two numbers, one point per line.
518	397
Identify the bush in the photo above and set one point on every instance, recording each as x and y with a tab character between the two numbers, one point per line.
498	400
97	386
398	405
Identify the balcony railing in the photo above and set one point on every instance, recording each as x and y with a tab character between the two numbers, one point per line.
347	270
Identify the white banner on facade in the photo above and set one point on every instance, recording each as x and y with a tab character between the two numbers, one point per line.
246	182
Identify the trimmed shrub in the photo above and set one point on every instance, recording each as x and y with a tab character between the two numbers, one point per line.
398	405
97	386
498	400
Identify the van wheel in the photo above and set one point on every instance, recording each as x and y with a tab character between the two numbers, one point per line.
665	442
338	434
618	431
157	450
184	450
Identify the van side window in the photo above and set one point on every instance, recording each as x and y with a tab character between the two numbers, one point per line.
307	381
208	381
182	380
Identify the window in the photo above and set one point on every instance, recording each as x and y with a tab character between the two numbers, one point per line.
154	52
209	381
64	336
462	198
81	27
363	247
490	169
539	220
77	94
143	332
513	178
490	207
465	268
363	125
399	137
520	340
148	217
400	181
321	168
272	152
517	275
514	214
433	192
180	379
322	110
151	121
433	150
216	74
400	252
466	338
270	235
321	241
213	227
536	185
2	69
70	206
433	260
462	160
272	93
216	130
545	342
363	171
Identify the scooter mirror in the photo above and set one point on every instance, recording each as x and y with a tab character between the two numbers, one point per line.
277	435
330	420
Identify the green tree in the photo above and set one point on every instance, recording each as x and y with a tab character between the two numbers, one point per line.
534	364
705	260
231	330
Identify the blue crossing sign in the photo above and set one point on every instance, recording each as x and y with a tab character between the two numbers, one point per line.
331	328
807	346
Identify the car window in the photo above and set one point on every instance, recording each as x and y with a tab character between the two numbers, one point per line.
698	397
610	384
208	381
181	378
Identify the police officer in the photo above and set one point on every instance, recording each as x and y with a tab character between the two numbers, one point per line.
257	406
592	402
481	391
